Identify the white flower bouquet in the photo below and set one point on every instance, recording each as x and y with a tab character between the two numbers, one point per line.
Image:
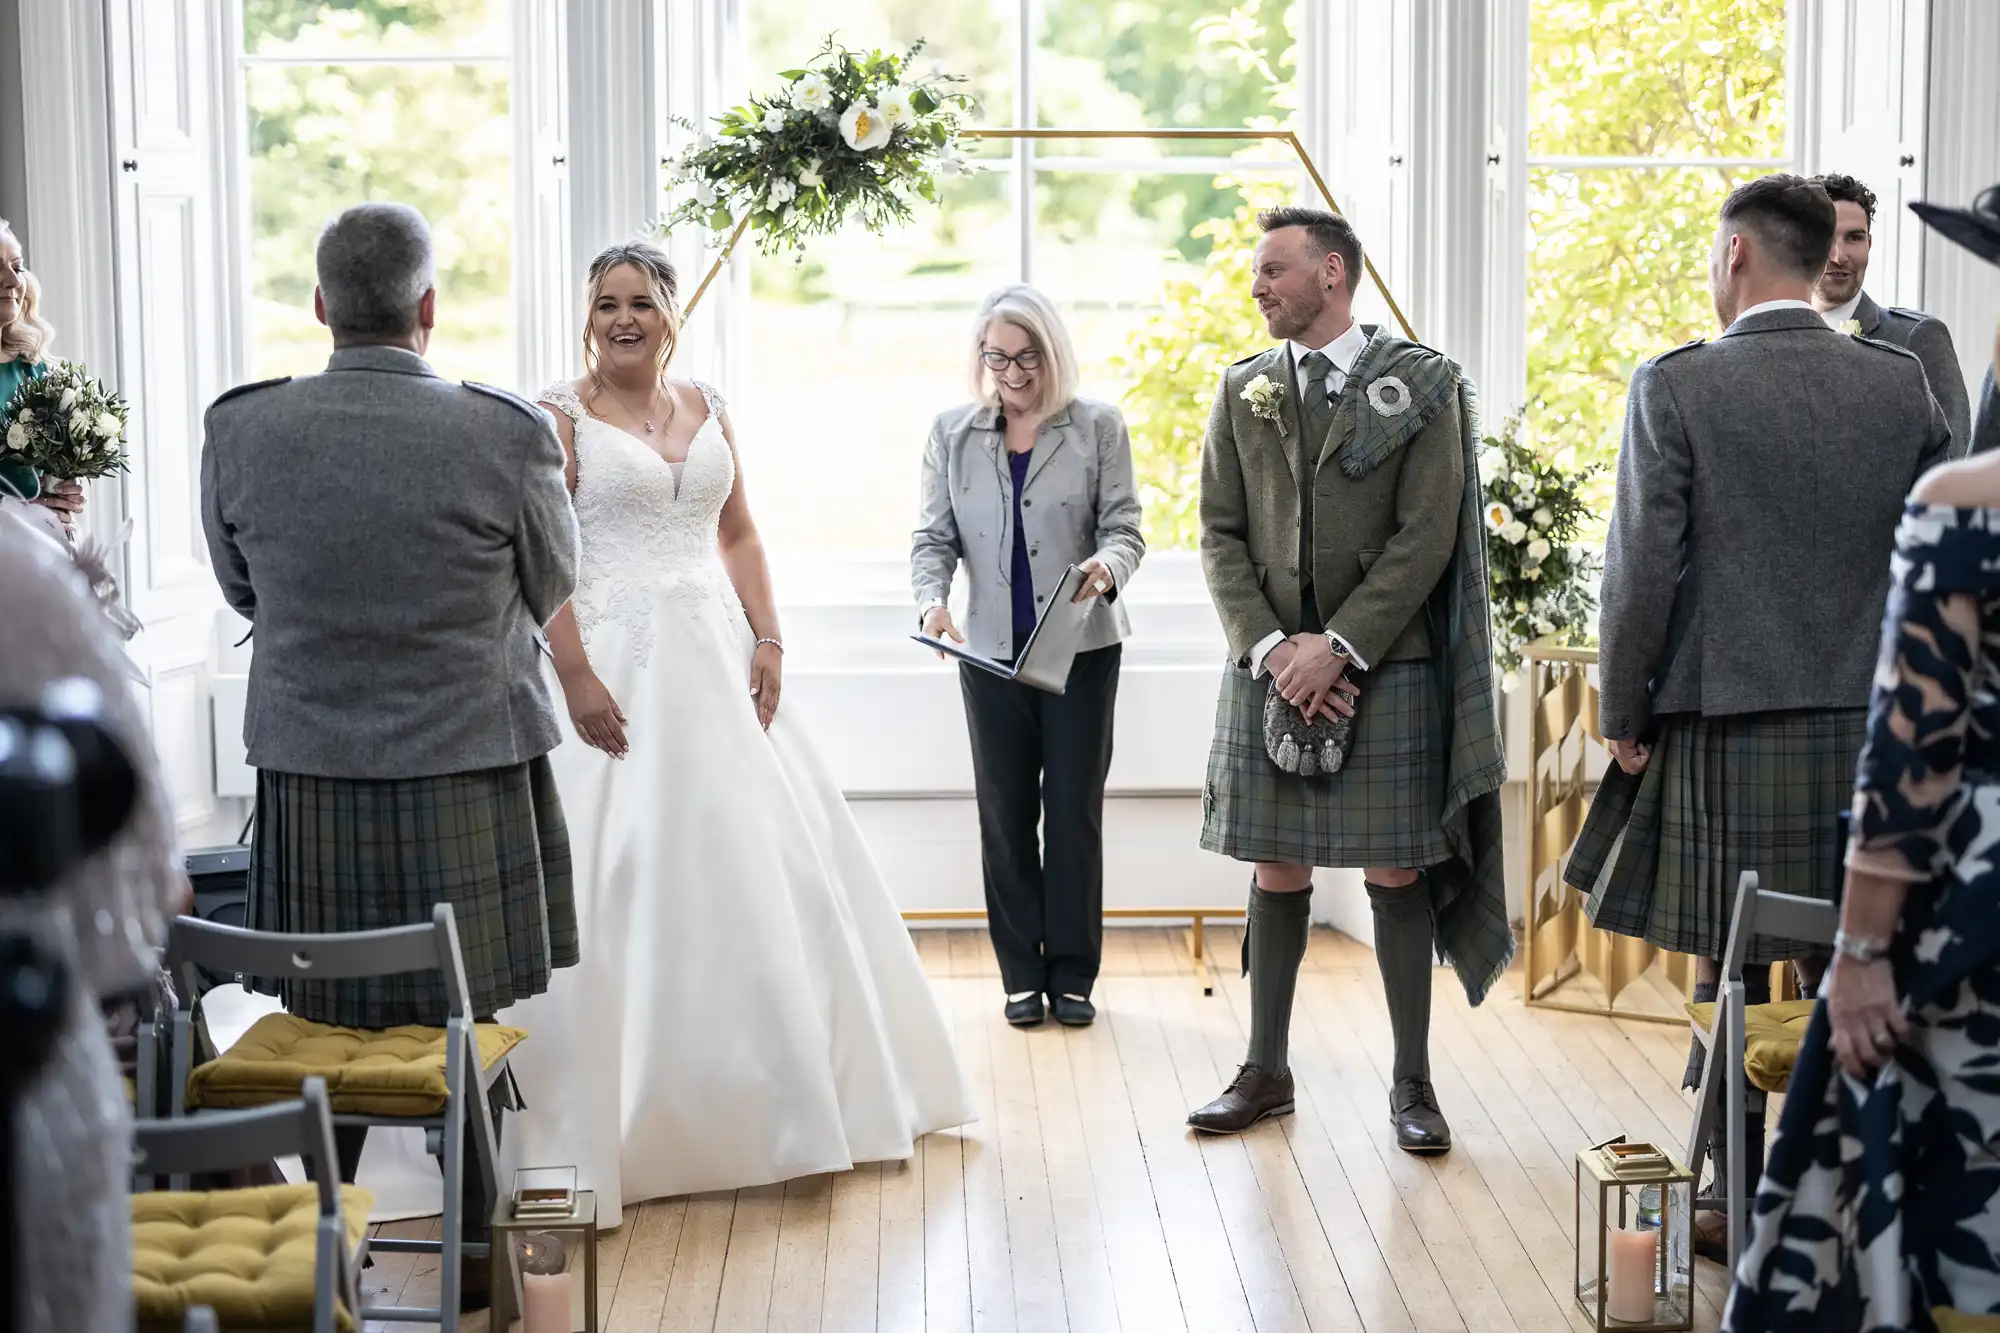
66	426
855	135
1541	577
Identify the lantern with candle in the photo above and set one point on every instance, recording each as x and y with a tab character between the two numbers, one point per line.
528	1228
1634	1218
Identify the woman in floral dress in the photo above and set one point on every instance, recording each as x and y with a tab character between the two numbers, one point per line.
1878	1207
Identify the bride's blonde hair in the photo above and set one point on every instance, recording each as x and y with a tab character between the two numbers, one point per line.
29	337
663	284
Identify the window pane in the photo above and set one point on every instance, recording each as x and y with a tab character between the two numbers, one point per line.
1187	64
436	137
975	38
1658	78
1618	274
851	355
1157	293
375	27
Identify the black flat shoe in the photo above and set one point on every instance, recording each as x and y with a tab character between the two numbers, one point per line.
1251	1096
1025	1012
1420	1126
1072	1011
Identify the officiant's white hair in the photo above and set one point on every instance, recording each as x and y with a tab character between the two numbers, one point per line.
1028	310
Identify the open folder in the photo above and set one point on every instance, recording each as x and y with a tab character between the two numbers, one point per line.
1044	662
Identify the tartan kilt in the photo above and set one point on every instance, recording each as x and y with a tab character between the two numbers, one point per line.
1384	808
1659	855
348	854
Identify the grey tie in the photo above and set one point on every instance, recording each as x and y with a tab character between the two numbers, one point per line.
1316	412
1314	400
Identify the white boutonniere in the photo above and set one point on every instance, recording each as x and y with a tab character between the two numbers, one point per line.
1852	328
1389	396
1262	395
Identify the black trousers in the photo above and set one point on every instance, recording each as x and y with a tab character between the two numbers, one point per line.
1039	762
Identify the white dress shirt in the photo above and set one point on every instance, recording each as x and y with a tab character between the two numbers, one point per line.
1840	314
1342	351
1785	304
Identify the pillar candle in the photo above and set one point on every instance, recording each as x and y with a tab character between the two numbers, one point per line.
1634	1258
545	1303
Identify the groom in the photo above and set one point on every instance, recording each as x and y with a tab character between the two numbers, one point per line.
1341	535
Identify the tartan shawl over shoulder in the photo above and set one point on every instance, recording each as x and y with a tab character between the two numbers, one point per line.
1469	890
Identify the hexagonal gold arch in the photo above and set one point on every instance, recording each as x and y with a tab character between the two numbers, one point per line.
1289	138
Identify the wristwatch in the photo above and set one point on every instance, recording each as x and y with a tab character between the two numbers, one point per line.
1858	947
1337	645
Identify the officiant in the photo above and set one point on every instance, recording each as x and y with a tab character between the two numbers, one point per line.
1018	485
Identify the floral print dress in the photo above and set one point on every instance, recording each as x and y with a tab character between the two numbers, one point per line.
1877	1208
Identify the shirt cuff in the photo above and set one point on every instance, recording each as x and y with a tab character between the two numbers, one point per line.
1347	650
1263	650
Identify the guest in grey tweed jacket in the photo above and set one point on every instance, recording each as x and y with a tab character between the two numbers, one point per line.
397	540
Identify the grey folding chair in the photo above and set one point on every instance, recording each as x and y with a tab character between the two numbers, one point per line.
1723	1080
227	1140
232	950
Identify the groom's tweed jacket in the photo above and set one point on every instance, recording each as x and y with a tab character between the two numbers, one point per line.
397	540
1400	573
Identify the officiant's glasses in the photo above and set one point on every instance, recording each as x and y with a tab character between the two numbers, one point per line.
1027	359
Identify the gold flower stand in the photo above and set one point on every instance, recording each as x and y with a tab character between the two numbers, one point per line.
1567	963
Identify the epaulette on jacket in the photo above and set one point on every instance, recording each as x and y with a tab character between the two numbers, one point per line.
243	390
514	401
1885	345
1914	316
1676	351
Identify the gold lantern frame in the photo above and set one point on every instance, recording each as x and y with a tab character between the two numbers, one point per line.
1196	935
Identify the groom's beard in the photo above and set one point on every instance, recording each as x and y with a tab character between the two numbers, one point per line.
1286	320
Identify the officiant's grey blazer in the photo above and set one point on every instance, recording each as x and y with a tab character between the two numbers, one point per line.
1930	340
397	541
1760	482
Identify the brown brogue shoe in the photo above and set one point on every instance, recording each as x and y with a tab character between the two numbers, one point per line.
1251	1096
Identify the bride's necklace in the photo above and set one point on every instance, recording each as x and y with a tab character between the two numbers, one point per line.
645	417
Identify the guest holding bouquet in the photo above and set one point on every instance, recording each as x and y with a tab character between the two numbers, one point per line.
24	348
1018	485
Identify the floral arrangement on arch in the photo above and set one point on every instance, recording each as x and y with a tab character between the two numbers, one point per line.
65	425
854	135
1540	574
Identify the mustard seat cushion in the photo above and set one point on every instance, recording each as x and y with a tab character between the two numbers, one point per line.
1957	1321
391	1072
247	1254
1771	1037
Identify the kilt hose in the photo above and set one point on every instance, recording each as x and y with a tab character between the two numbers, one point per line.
1384	808
348	854
1659	855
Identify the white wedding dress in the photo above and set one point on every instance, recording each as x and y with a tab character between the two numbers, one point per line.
749	1006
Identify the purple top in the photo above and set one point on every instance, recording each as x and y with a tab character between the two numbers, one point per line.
1022	574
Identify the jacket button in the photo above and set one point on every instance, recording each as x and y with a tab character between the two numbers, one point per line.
1034	550
1027	504
1039	598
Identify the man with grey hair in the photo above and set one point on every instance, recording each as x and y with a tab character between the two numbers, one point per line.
397	541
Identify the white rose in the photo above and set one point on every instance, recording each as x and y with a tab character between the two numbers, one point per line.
68	400
811	93
774	120
1538	549
782	192
810	179
896	108
27	414
704	193
864	127
1544	516
17	437
1510	682
1521	608
109	426
1515	532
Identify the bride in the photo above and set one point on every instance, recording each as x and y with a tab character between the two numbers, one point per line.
749	1007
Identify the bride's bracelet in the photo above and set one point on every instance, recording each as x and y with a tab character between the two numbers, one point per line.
773	642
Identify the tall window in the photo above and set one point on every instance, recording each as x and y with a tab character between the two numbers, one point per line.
406	100
1643	114
855	349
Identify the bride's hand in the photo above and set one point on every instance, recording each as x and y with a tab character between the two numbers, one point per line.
595	714
766	681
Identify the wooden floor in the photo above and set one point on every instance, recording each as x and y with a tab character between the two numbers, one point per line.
1081	1201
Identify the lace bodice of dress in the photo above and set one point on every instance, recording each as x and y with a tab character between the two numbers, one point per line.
647	526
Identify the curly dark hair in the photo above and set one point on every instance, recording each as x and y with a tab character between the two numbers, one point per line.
1847	190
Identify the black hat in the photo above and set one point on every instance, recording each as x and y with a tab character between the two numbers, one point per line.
1976	228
